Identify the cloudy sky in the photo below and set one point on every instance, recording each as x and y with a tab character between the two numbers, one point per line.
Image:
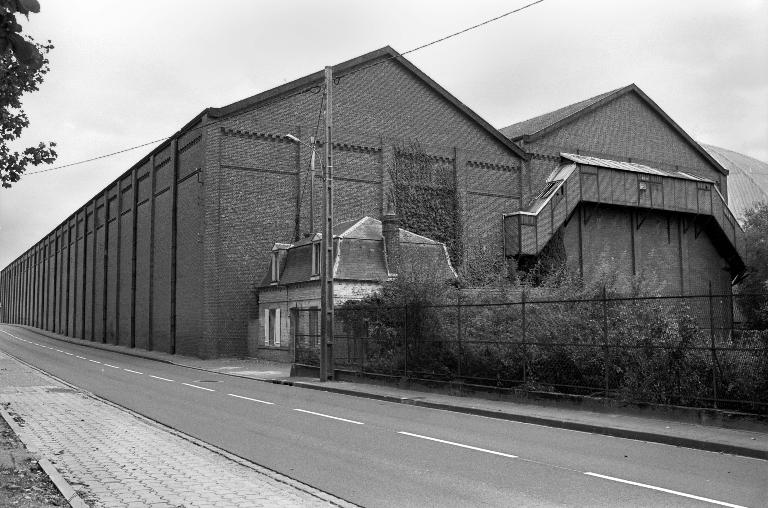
125	73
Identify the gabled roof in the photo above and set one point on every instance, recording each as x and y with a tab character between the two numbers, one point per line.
352	65
534	125
537	127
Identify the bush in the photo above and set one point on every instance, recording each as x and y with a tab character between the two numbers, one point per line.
571	336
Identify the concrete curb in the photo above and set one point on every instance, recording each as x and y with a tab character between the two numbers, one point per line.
69	493
547	422
97	345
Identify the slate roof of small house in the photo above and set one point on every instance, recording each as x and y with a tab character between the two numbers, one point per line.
534	128
361	256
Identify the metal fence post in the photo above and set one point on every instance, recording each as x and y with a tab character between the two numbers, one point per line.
405	340
458	331
525	347
712	345
605	338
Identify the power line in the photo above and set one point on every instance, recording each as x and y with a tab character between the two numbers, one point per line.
436	41
311	89
99	157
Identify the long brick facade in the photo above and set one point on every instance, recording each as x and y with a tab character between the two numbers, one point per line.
167	257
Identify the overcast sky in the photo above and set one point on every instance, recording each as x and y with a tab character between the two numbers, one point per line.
125	73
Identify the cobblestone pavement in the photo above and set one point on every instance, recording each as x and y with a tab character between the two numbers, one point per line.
113	458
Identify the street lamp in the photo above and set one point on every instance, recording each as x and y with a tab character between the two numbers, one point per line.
311	146
326	261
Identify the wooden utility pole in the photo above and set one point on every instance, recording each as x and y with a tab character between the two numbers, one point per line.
326	275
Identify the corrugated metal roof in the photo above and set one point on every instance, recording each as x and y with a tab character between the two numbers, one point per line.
629	166
747	181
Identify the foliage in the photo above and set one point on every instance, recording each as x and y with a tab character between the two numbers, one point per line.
425	198
755	308
23	64
606	336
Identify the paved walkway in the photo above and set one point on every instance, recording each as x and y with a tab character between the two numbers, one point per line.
114	458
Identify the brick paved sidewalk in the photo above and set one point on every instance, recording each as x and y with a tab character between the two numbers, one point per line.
113	458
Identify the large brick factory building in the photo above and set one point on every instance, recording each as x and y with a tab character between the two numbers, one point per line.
168	256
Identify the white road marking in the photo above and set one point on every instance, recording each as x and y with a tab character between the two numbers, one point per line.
81	357
133	371
668	491
161	378
502	454
113	366
70	354
94	361
248	398
59	351
329	416
200	387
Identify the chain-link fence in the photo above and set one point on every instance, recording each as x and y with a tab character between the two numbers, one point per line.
691	350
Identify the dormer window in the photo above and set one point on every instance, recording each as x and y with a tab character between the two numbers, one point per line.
275	266
316	256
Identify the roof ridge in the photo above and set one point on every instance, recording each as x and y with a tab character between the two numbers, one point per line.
585	103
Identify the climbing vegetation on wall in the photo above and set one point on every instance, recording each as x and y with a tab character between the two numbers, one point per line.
425	197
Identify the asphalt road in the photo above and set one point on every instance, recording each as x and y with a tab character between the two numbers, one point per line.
376	453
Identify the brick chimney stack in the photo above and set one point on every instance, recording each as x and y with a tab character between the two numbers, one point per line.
390	230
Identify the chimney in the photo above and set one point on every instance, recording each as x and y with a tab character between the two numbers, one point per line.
390	230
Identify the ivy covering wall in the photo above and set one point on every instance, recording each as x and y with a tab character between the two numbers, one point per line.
425	197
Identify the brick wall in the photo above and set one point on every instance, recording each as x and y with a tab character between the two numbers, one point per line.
257	185
671	251
79	280
166	256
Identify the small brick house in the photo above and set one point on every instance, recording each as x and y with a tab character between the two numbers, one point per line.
367	252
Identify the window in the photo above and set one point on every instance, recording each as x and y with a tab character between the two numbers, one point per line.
316	258
275	266
272	327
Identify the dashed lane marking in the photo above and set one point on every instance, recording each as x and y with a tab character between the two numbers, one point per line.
460	445
70	354
199	387
81	357
329	416
162	378
668	491
113	366
248	398
133	371
94	361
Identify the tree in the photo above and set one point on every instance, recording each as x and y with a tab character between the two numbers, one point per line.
23	64
755	307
